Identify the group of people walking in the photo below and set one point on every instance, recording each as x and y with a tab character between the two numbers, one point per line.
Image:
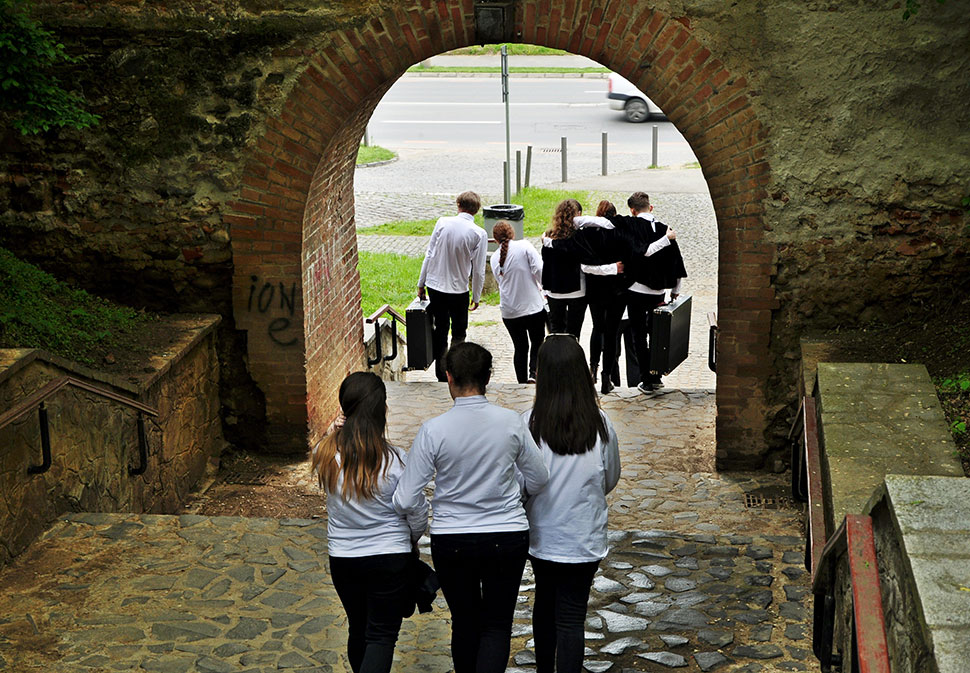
620	267
507	487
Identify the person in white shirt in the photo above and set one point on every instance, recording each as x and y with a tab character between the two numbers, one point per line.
368	541
517	269
479	530
457	250
567	519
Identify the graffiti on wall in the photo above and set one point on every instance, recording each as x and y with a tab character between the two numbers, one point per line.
276	303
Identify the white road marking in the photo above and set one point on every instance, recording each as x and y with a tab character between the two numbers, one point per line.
435	121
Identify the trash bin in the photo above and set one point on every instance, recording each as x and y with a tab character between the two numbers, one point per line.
503	211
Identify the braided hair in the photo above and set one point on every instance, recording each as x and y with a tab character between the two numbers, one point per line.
502	232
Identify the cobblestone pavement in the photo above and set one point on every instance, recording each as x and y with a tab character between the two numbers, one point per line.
695	579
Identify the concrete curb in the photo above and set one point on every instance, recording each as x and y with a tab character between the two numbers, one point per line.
371	164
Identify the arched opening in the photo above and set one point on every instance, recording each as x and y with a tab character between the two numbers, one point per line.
294	221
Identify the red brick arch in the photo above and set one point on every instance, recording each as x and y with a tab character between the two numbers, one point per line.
294	220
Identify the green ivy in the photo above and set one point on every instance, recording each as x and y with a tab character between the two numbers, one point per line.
27	89
912	7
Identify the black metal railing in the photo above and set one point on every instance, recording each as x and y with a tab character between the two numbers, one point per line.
37	400
712	342
374	320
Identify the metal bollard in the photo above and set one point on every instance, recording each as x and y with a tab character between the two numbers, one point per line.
653	163
528	164
563	151
604	152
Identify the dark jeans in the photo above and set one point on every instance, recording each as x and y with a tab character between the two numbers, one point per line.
523	330
480	575
374	592
640	309
566	315
559	613
445	307
606	313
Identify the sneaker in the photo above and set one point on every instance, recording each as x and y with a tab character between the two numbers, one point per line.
531	380
646	388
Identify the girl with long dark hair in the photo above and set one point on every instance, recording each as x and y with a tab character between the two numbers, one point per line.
567	519
517	269
369	543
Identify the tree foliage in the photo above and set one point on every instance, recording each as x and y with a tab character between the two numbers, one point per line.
27	88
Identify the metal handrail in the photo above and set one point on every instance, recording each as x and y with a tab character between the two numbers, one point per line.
395	319
712	342
37	400
386	308
870	652
34	400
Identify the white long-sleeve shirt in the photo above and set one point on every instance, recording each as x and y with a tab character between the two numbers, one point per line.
519	280
472	451
567	519
456	251
370	527
653	249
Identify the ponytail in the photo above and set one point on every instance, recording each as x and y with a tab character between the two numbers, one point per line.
502	232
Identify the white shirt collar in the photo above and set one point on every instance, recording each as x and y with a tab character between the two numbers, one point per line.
647	215
470	218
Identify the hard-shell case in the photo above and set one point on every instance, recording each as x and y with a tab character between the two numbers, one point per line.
418	319
669	335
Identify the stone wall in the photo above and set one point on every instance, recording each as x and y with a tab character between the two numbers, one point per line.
832	137
94	440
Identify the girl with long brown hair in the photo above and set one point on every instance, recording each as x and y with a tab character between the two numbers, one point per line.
369	543
562	278
517	269
567	519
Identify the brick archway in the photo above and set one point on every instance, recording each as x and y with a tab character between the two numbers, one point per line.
294	243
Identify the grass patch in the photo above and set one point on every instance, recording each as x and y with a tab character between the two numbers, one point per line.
368	154
496	69
39	311
490	298
386	278
513	48
538	203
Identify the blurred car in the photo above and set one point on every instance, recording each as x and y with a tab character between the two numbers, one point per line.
637	108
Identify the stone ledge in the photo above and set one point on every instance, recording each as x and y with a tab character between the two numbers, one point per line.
930	517
196	327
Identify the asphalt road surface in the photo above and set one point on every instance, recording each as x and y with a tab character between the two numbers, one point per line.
467	113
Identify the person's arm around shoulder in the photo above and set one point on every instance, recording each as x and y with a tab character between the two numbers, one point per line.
529	461
409	498
611	456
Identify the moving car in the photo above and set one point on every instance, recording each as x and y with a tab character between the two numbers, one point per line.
634	103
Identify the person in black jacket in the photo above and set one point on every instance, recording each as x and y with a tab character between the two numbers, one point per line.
562	278
652	261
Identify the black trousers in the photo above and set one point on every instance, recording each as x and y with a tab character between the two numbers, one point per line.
480	575
566	315
632	367
640	309
446	308
374	593
606	313
559	614
527	333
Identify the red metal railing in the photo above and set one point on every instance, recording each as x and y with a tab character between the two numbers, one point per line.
854	538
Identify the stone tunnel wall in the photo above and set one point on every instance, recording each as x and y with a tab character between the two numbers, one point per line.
220	179
94	440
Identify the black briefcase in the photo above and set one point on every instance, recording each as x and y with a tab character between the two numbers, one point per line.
669	335
418	319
